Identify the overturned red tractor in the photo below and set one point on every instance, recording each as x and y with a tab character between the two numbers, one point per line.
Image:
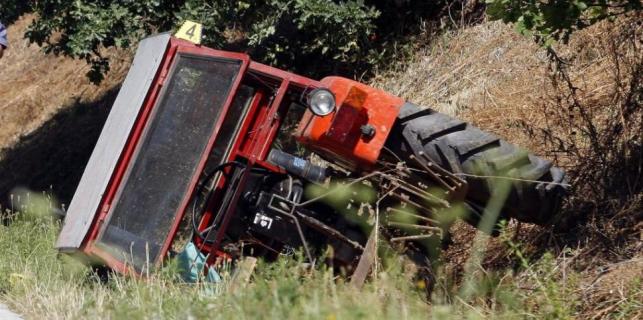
240	158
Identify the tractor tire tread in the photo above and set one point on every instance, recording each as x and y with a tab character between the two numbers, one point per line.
464	149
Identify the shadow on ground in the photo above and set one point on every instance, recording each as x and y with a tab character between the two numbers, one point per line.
53	157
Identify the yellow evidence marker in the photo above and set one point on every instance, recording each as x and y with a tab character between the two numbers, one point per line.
190	31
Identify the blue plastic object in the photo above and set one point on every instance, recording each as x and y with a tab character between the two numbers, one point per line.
191	263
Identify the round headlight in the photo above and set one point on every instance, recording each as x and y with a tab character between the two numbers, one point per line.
321	102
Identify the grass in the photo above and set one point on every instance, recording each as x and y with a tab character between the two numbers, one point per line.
37	282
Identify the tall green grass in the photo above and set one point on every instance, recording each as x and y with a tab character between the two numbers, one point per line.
38	283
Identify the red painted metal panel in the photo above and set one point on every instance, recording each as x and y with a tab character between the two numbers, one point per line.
294	79
338	134
269	125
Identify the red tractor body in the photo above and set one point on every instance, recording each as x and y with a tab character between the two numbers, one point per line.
211	141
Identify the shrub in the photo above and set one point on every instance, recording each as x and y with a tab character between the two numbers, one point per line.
279	32
345	37
557	19
10	10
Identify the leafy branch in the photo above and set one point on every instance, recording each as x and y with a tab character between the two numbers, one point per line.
556	20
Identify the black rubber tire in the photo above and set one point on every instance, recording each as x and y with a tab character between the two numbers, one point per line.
464	149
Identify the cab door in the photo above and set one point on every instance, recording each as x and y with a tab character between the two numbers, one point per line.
160	165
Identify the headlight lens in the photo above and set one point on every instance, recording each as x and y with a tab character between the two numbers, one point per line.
321	102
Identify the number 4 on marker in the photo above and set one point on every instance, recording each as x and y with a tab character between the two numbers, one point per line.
190	31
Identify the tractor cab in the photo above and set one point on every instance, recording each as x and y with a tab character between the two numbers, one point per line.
199	138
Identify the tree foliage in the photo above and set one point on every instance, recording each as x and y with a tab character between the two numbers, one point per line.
10	10
553	20
340	36
278	32
314	37
287	32
81	28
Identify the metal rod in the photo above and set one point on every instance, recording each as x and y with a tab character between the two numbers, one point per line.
412	215
414	226
414	237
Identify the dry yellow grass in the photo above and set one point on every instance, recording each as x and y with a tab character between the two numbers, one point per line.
35	86
505	83
497	79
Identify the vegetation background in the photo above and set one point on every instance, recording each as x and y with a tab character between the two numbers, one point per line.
569	88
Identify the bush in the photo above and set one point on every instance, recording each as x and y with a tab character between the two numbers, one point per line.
555	20
279	32
344	37
10	10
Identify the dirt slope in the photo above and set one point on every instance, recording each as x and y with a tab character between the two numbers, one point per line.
50	115
35	86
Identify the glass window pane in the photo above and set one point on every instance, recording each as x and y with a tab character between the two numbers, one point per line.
172	145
